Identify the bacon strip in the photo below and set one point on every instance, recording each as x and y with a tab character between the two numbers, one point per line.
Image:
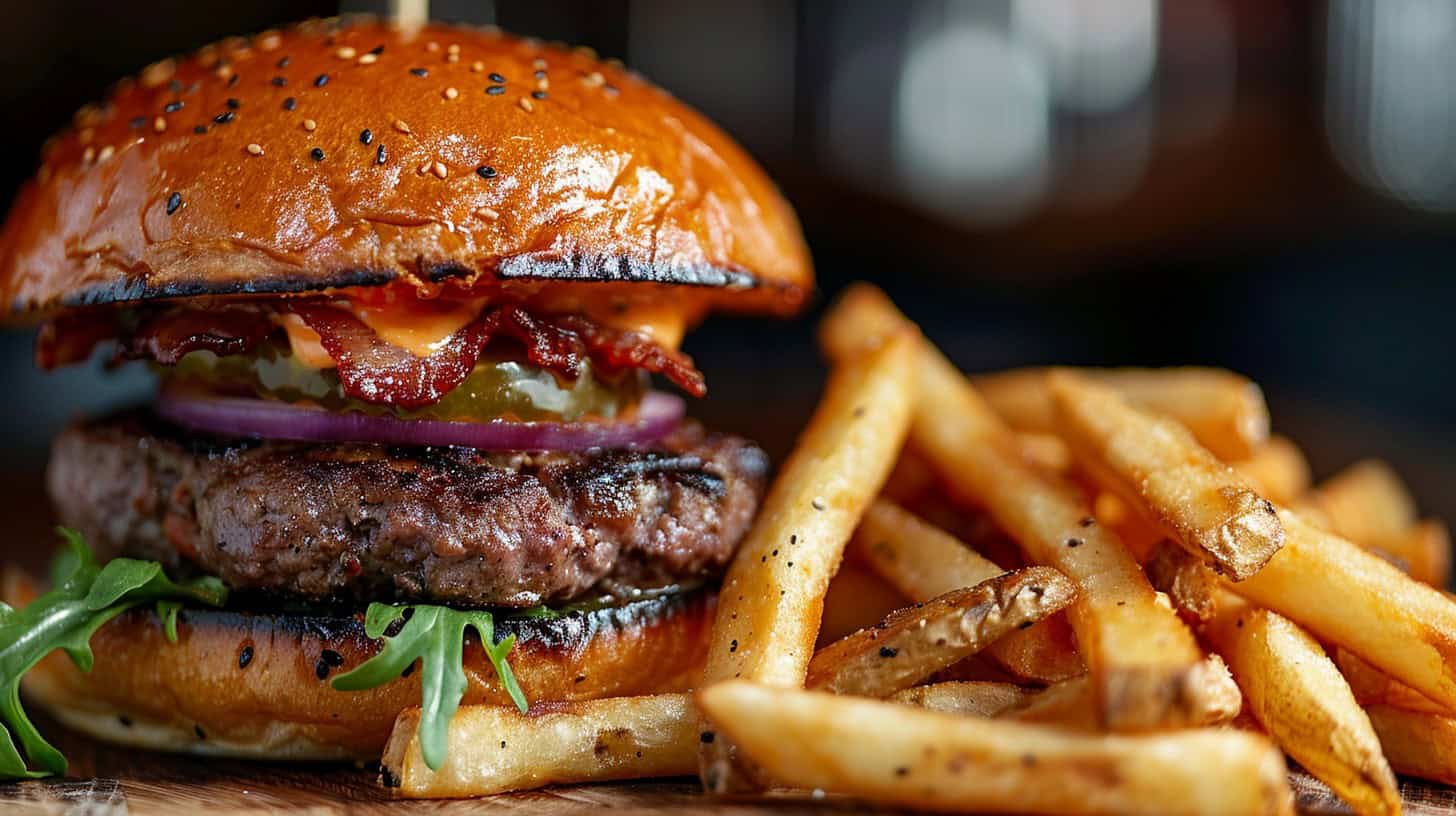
170	335
616	350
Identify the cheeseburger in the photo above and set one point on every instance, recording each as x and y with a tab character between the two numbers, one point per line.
414	298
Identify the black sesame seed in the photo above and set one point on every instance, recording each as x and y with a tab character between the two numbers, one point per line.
290	103
173	107
283	63
279	81
494	77
233	103
320	80
580	678
1087	521
377	50
706	737
496	90
420	72
540	74
174	202
902	771
1024	625
321	669
197	729
245	657
332	658
200	129
366	136
733	647
381	155
224	117
503	743
886	651
1074	542
175	85
233	80
538	94
125	720
485	171
317	154
139	121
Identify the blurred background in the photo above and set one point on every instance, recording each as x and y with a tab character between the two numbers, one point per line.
1266	186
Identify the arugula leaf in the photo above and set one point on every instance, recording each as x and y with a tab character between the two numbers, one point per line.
83	598
435	636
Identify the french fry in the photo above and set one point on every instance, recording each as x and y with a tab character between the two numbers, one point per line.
1071	704
1147	668
923	562
917	641
1304	704
1417	743
770	603
1366	503
1225	412
856	597
1347	596
1045	451
1187	581
966	698
897	755
1423	549
494	749
1156	465
1372	687
1277	469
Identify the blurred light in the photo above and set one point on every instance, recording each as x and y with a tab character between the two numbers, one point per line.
1099	55
1196	70
1390	113
971	128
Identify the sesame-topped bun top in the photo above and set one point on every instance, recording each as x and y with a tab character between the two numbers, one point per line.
353	152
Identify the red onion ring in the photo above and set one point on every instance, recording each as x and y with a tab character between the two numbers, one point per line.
657	415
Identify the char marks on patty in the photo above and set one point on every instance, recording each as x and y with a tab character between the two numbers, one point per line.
362	522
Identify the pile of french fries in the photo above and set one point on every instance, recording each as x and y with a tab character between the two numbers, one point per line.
1167	609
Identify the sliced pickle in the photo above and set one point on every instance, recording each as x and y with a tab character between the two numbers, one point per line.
496	388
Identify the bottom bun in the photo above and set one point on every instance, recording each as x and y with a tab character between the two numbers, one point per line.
257	684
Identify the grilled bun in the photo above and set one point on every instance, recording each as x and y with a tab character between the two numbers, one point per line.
350	152
257	684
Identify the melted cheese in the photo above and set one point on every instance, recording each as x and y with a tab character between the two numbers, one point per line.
307	348
663	323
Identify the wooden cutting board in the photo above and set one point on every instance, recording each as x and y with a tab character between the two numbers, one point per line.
111	781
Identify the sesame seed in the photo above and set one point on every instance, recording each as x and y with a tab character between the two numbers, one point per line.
159	124
283	63
233	104
174	202
538	94
224	117
138	121
543	84
226	72
88	155
487	213
496	90
381	155
320	80
375	51
817	503
310	125
887	651
290	103
366	136
453	49
477	66
485	171
245	657
346	53
255	149
321	670
425	168
594	79
450	93
400	126
539	75
199	129
440	170
173	107
279	82
317	154
494	77
432	46
106	153
420	72
539	64
525	104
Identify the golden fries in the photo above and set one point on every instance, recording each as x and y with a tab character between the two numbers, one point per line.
496	748
917	641
769	613
923	562
1225	412
1148	669
967	698
1365	503
1187	581
897	755
1304	704
1156	464
1346	596
1072	704
1424	550
1277	469
1417	743
1371	687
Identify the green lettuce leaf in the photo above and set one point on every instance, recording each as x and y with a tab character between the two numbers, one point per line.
83	598
433	635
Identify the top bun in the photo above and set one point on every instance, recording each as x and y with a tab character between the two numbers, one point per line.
354	152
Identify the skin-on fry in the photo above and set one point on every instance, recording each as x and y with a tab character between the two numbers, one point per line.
917	641
494	749
1144	661
923	562
1417	743
1304	704
897	755
1070	703
1188	583
1366	503
1156	465
966	698
1347	596
1225	411
769	609
1277	469
1372	687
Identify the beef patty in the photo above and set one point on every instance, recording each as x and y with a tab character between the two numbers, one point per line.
370	522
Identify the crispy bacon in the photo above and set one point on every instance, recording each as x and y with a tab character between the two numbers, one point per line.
70	338
168	336
617	350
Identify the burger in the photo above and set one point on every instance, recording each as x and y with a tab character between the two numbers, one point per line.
414	298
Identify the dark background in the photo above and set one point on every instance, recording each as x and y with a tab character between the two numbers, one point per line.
1265	186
